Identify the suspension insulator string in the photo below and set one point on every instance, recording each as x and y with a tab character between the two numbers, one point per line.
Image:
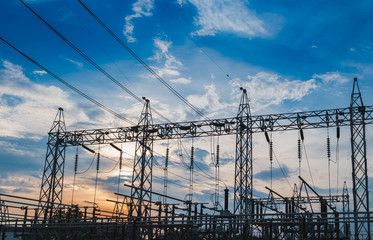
271	159
97	169
337	156
212	150
120	169
328	147
191	172
328	155
75	170
165	173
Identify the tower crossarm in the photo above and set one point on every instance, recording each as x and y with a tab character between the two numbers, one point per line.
217	127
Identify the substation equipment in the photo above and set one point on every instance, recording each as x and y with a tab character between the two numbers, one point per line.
137	216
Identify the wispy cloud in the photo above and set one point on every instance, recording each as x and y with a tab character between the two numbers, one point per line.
227	17
265	89
76	63
181	80
24	184
210	102
330	77
34	101
162	54
25	105
141	8
41	73
15	149
181	2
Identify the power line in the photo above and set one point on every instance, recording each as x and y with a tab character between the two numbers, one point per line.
69	85
206	175
89	59
143	63
282	170
83	24
190	38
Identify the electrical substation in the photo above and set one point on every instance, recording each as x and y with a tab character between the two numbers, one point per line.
136	209
306	214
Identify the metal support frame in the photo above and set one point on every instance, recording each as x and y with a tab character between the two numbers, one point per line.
359	164
4	213
219	127
142	170
243	125
243	175
243	185
52	182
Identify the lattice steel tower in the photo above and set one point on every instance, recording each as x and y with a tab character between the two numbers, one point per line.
142	169
359	165
243	185
52	181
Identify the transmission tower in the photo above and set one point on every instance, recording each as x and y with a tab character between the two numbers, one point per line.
142	169
52	181
359	165
243	185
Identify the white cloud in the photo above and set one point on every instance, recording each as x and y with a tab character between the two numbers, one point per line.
209	102
181	2
13	72
265	89
26	105
181	80
330	77
13	148
41	73
168	72
227	16
76	63
162	45
161	53
141	8
27	108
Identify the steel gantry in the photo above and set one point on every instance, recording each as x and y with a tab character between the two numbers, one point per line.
142	171
359	163
356	117
52	182
243	185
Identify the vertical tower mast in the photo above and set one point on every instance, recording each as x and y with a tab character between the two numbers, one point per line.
243	185
142	170
359	165
52	181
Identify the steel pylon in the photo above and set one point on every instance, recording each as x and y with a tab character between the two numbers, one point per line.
142	171
52	182
359	165
243	185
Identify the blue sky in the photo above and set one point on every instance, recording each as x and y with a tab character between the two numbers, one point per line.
289	55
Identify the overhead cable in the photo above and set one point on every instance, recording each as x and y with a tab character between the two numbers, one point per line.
174	21
89	59
143	63
69	85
